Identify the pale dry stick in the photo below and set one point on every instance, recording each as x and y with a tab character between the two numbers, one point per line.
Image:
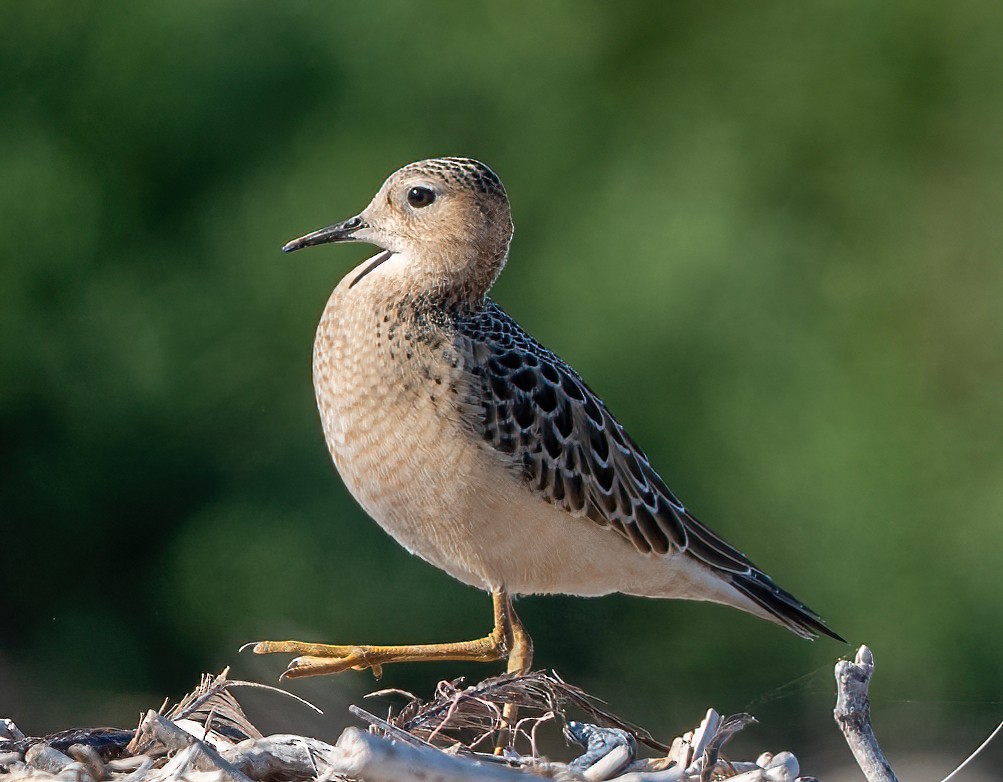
127	764
194	754
10	731
679	750
783	765
705	731
975	754
140	772
853	715
756	775
531	733
609	765
375	759
282	756
91	760
673	774
392	731
180	766
712	747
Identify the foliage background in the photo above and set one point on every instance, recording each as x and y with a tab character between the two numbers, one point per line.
769	234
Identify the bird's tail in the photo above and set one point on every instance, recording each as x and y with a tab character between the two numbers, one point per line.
781	605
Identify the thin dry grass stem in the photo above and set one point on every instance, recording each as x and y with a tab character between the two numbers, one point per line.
392	731
531	734
453	711
590	705
391	691
712	748
975	754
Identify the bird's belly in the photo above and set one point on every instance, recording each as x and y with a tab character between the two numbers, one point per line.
429	490
410	472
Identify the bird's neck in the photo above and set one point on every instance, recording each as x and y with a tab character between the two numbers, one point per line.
411	283
454	280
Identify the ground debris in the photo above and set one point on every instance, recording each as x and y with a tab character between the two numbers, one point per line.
457	734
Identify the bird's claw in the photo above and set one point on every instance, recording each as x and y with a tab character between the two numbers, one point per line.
319	659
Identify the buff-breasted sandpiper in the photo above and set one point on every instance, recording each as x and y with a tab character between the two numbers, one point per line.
480	450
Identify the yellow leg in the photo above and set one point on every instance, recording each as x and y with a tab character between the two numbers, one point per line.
520	655
320	659
520	659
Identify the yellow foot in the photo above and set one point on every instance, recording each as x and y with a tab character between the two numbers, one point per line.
321	659
506	639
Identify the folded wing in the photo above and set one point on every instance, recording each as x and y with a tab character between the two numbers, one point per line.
570	450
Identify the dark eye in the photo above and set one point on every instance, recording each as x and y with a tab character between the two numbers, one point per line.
420	196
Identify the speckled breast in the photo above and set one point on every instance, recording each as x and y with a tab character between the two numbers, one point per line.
388	390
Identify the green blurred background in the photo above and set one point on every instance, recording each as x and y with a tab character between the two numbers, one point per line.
769	234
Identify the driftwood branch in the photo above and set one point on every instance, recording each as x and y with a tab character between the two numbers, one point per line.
284	756
853	715
375	759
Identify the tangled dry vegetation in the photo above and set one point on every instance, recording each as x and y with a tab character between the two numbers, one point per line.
453	736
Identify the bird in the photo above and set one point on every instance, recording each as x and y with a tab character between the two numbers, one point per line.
477	448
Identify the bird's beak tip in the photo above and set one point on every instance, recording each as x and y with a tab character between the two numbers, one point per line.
339	232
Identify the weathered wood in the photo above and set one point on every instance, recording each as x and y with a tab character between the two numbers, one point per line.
853	715
711	743
705	731
374	759
194	754
285	755
140	772
45	758
89	757
783	767
674	774
611	764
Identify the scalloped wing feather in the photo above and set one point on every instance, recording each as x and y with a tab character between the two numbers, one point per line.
570	450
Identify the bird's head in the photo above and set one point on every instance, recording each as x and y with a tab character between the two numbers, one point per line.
448	217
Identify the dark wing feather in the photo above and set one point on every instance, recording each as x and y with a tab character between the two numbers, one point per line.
570	450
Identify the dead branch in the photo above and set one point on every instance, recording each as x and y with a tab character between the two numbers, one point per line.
375	759
853	715
284	756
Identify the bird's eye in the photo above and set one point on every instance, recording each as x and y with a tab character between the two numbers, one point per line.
420	196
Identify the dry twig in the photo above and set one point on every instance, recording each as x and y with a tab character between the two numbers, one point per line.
853	715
